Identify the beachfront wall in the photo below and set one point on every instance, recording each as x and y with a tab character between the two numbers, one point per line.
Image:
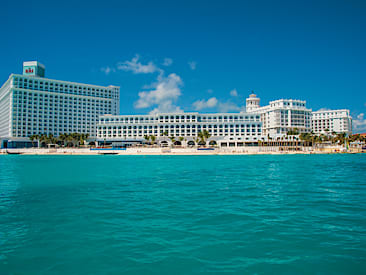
240	126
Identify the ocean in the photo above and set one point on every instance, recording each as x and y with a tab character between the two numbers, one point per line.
253	214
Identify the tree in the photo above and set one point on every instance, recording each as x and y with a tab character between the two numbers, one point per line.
293	132
33	138
62	138
82	138
153	138
43	139
206	134
203	136
172	139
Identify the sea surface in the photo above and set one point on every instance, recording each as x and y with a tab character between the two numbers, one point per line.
281	214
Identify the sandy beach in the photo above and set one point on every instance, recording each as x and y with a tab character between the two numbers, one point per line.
175	151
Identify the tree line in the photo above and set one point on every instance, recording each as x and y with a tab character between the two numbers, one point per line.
64	140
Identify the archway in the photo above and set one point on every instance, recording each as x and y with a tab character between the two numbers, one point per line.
177	143
212	143
202	143
164	143
190	143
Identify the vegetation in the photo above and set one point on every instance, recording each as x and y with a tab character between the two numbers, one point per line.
334	138
64	140
172	139
150	138
293	132
203	136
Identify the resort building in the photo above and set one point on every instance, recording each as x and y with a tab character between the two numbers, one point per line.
31	104
332	121
181	128
281	116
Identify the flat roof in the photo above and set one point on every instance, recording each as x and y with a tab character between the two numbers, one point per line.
33	63
63	81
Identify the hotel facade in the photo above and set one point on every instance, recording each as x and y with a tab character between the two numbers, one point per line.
182	127
31	104
281	116
332	121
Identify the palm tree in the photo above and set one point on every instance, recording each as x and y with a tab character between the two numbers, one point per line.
33	138
172	139
153	138
37	138
86	136
203	136
62	138
206	134
293	132
147	137
43	138
69	139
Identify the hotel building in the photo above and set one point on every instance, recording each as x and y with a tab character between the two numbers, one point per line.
281	116
241	128
32	104
332	121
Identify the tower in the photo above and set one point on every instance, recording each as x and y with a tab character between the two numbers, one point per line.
252	103
33	68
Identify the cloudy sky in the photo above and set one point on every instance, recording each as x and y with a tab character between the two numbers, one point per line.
196	55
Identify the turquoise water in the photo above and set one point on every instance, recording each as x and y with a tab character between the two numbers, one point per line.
294	214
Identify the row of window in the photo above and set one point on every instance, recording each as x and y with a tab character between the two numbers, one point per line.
183	126
178	118
121	134
287	103
56	86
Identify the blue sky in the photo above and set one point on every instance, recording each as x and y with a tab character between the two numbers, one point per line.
196	55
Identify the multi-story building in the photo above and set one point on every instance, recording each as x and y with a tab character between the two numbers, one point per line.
242	128
332	121
31	104
281	116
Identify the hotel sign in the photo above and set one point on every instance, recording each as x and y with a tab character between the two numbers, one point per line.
29	70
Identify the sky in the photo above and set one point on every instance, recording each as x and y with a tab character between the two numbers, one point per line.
205	56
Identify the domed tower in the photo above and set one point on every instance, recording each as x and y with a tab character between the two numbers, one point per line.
252	103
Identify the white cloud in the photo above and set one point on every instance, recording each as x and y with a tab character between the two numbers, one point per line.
204	104
107	70
213	102
167	62
228	106
166	107
234	92
192	65
164	94
137	67
359	124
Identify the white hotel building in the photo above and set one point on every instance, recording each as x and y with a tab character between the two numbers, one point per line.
329	121
281	116
223	127
32	104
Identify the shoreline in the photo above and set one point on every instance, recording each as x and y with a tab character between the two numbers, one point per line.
174	151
